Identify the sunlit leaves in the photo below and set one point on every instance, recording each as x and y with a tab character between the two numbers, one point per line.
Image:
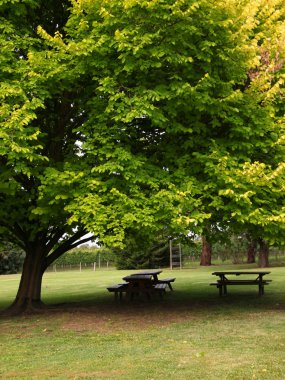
146	114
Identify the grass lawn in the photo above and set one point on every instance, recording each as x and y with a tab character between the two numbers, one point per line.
191	333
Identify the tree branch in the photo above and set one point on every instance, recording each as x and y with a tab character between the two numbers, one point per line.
66	246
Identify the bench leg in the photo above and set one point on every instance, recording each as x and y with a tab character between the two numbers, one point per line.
131	295
220	290
118	295
260	290
170	286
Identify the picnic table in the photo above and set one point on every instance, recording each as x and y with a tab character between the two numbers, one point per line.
224	280
153	273
155	279
144	282
140	284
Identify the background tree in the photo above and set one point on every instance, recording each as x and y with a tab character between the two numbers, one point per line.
251	249
11	258
256	180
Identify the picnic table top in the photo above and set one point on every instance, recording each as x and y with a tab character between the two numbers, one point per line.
134	277
147	272
237	273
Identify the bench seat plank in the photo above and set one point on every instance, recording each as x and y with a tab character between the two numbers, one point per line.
243	282
222	284
118	289
167	281
160	288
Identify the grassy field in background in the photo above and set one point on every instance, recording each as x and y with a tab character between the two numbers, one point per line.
191	333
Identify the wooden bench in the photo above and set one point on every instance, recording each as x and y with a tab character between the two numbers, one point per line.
148	291
222	285
160	289
118	289
166	281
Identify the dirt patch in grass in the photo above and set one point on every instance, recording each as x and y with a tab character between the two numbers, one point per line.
104	318
81	320
110	318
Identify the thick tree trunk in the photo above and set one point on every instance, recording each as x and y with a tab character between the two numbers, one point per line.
251	251
38	258
263	253
206	254
28	298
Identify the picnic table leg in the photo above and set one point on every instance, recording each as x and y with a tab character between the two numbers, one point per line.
224	286
260	286
260	289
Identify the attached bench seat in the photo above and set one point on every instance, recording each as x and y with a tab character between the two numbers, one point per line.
222	285
118	289
160	288
167	281
243	282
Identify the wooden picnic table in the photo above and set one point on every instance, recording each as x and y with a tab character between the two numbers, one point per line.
139	284
143	282
153	273
155	279
224	280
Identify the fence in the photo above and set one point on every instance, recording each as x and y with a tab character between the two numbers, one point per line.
81	266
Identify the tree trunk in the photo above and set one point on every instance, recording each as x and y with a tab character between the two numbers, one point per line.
263	253
206	254
28	298
251	251
38	258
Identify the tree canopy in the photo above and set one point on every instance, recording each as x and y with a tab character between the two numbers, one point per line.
129	114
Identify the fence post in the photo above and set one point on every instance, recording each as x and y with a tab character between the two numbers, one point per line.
80	267
180	256
94	266
170	253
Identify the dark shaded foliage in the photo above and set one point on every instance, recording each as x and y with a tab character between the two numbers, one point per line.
11	259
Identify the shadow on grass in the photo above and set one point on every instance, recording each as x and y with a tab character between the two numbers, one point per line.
177	302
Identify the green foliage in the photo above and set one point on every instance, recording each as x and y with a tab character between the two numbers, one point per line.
143	251
85	255
183	96
234	249
133	105
11	259
192	250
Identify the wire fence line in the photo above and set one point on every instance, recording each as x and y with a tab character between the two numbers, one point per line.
276	255
81	266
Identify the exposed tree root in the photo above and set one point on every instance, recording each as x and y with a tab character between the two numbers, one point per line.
24	308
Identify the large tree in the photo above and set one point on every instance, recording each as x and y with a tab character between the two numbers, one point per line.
38	115
253	193
115	115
